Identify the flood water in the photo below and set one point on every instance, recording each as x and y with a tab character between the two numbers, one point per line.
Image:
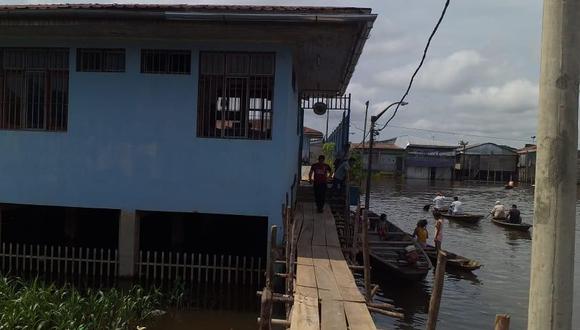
468	301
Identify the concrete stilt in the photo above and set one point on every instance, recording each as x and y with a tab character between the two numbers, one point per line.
552	269
128	242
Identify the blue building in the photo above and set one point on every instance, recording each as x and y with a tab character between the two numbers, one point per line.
169	112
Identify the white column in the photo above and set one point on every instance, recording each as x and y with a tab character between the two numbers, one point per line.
552	269
128	243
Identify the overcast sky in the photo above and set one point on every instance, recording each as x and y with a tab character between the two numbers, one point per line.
480	77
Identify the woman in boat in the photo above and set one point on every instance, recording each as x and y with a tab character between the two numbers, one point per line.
421	233
438	230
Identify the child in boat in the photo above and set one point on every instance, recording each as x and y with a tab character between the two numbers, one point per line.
382	227
438	230
421	233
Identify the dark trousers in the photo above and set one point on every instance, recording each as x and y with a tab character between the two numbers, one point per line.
319	195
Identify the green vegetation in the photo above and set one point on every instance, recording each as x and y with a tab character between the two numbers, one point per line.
36	305
328	151
357	171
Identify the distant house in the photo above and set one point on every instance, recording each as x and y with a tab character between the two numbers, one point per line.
432	162
387	157
487	162
527	163
426	158
311	144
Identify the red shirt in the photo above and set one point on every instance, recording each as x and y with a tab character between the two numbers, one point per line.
320	172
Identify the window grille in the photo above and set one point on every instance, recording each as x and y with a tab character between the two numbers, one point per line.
235	95
100	60
165	61
34	88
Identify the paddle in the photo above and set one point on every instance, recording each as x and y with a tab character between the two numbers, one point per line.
426	207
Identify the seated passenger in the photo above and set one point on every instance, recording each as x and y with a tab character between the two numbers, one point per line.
514	215
456	206
498	211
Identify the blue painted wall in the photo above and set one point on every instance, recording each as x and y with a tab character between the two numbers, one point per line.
131	144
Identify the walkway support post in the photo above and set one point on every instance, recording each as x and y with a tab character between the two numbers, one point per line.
129	229
435	301
552	268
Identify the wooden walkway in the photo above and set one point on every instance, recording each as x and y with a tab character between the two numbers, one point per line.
325	292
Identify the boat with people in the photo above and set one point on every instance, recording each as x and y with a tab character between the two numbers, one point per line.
510	225
390	253
464	217
454	261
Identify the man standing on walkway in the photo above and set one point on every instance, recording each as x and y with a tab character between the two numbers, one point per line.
321	172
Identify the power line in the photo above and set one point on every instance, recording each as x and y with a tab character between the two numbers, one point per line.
420	64
461	134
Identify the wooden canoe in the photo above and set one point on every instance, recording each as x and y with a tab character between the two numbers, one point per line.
388	255
454	261
513	226
509	187
466	218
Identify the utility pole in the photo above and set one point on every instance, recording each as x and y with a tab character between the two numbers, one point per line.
552	268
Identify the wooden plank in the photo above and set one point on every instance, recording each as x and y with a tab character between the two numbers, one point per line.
304	314
305	276
325	279
319	236
358	316
330	228
332	316
349	293
306	291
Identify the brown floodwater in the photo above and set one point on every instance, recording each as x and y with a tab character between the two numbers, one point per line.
469	301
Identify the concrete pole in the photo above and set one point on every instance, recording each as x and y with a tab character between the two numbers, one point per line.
129	229
552	269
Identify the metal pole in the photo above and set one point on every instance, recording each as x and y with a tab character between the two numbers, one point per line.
369	163
552	268
327	116
365	248
365	124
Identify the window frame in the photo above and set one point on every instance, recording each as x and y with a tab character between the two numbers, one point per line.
103	52
54	68
202	129
146	52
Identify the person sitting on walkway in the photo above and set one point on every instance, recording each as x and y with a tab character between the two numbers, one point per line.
321	172
438	201
456	206
421	233
514	215
340	175
498	211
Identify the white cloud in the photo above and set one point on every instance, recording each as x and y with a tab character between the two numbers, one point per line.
450	73
513	96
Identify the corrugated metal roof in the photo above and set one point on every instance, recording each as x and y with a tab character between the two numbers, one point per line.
193	8
311	132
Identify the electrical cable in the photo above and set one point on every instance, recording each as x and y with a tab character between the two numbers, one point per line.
420	65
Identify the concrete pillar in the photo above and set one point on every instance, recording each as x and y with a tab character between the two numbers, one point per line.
128	242
552	269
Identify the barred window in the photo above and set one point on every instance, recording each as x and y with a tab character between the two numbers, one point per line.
34	88
165	61
100	60
235	95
